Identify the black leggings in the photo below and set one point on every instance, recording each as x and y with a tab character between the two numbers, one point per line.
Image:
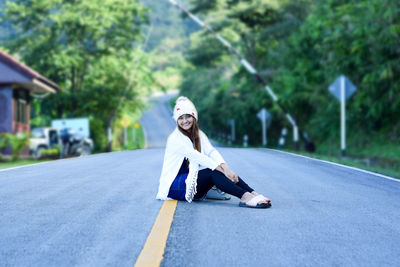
208	178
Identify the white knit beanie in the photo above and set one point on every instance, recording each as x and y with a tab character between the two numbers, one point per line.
184	106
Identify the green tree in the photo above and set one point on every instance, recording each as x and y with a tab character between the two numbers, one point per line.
299	48
359	39
167	41
86	47
257	29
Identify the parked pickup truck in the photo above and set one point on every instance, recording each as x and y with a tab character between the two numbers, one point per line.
71	143
43	138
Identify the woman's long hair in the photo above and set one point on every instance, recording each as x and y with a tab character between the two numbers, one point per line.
193	134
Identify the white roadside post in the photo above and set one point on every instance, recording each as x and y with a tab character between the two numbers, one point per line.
295	131
245	140
282	138
342	88
263	115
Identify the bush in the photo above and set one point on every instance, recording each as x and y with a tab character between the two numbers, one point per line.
50	153
98	132
3	143
17	142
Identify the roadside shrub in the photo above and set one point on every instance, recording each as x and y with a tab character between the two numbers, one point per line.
3	143
98	132
17	142
51	153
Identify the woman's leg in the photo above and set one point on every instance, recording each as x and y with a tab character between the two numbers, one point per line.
204	183
207	178
243	185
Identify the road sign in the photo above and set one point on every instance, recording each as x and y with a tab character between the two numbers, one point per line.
125	122
79	125
342	88
263	114
335	87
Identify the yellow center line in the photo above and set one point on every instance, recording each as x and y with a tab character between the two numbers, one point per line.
153	250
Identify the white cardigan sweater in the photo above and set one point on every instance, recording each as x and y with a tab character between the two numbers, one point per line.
178	148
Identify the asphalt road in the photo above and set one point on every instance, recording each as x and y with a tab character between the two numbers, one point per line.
88	211
157	121
322	215
98	211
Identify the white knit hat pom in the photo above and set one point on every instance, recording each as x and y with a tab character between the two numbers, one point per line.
181	98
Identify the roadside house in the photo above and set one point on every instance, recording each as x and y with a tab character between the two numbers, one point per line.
17	83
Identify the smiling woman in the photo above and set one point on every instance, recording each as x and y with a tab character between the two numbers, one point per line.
185	122
192	166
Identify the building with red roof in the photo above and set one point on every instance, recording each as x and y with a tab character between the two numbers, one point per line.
17	83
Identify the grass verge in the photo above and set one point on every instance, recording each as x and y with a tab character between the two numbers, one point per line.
374	154
135	139
18	163
360	163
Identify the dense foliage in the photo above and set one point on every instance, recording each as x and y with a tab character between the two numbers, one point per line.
16	143
91	49
168	37
97	49
299	47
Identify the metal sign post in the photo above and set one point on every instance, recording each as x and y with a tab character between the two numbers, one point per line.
231	122
263	115
125	123
342	116
136	125
342	88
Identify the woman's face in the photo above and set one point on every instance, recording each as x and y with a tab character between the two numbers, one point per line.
185	121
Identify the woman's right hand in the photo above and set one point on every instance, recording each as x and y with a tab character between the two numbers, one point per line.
220	169
229	173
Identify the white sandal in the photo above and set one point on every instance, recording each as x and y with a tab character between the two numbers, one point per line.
265	198
254	203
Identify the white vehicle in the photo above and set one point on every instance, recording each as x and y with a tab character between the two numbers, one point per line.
43	138
71	143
